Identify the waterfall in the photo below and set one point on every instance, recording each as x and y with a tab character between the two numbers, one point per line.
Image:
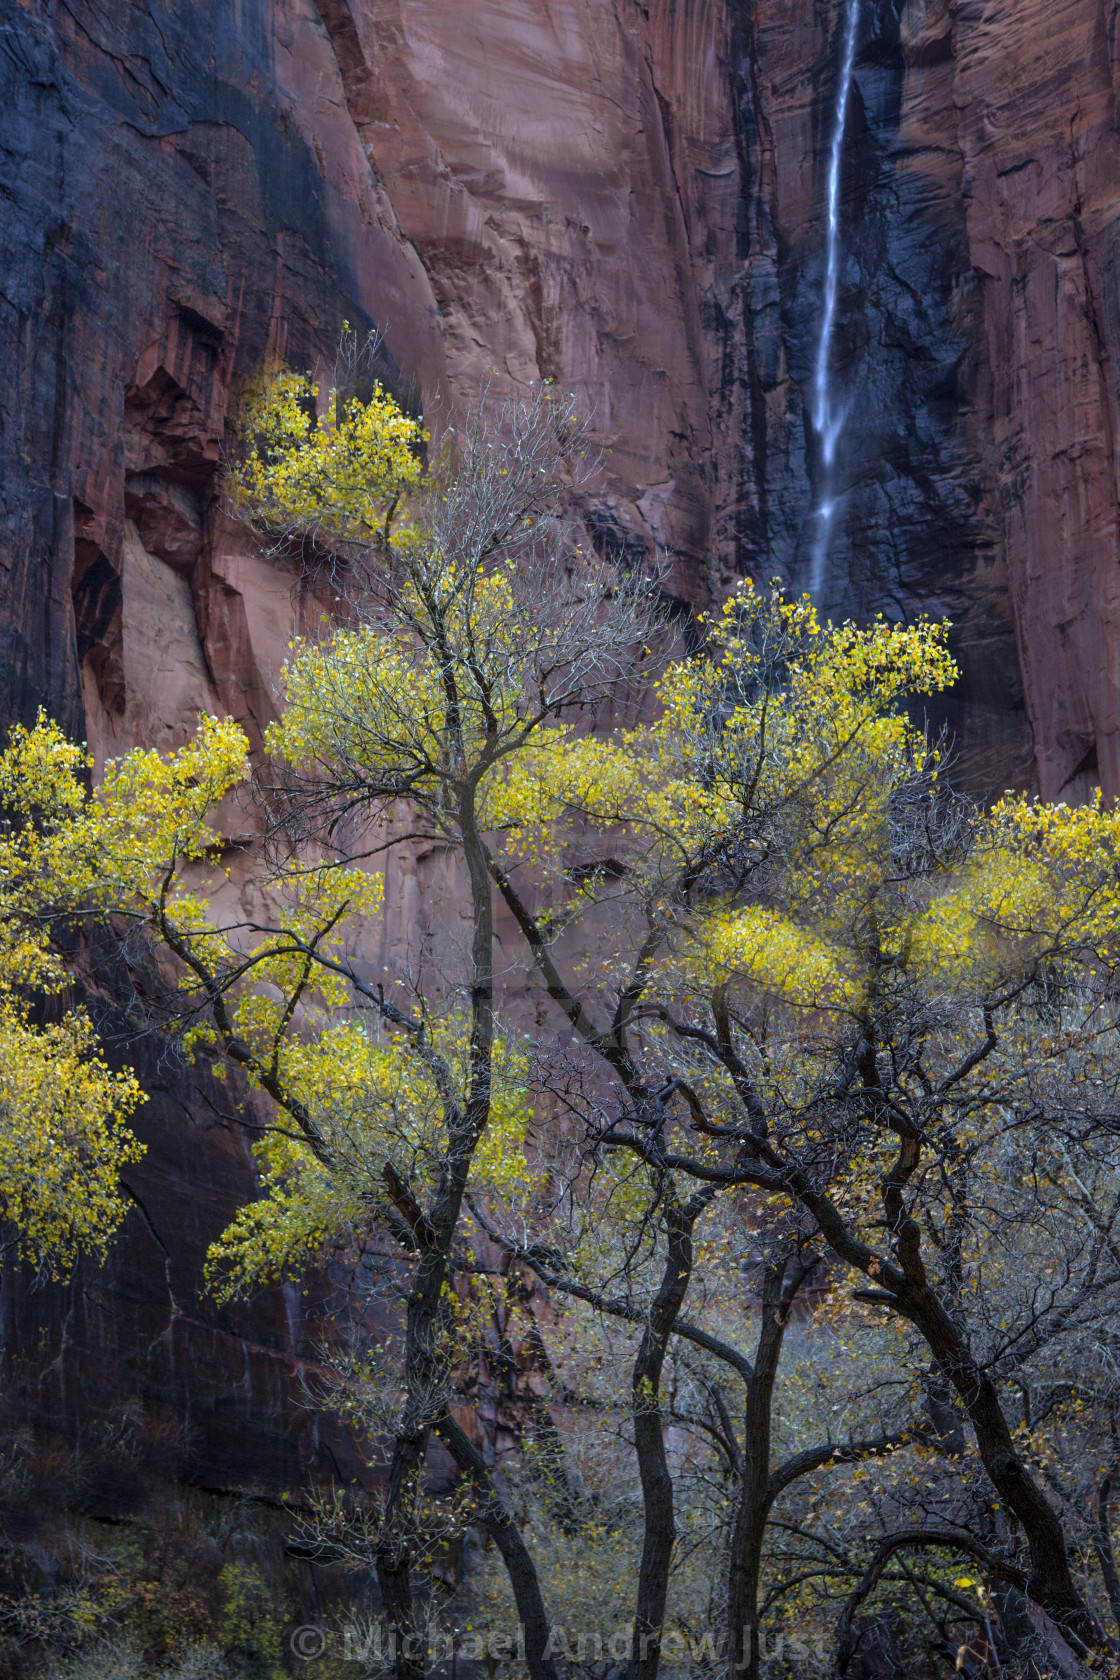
828	413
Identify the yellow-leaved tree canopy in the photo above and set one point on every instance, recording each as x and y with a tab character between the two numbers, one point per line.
64	1139
756	971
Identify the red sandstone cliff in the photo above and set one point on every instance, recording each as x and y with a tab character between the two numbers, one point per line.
622	195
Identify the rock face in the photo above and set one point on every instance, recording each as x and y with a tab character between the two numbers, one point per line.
133	1341
624	195
1037	92
976	342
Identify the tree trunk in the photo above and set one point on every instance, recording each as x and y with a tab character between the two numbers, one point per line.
395	1580
744	1644
1050	1582
425	1375
502	1529
1102	1545
1032	1642
905	1289
744	1639
649	1438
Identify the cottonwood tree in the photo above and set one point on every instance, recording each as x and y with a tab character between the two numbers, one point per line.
64	1138
711	1374
482	643
916	1551
777	967
840	992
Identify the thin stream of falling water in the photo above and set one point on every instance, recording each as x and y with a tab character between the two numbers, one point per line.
828	414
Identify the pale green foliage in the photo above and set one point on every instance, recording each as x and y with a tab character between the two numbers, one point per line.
377	1108
341	473
63	1112
251	1628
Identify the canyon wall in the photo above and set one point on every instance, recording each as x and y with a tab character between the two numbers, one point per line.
976	343
623	195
